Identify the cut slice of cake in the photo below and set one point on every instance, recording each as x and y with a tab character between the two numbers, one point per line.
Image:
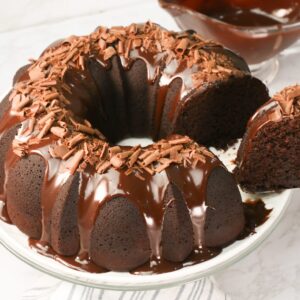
269	155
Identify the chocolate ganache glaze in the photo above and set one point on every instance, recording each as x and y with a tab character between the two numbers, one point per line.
75	192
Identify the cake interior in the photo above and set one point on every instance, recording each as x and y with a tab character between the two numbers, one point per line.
219	114
277	147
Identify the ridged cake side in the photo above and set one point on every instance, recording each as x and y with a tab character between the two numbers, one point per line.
119	221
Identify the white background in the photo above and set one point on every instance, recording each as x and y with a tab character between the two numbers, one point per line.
28	26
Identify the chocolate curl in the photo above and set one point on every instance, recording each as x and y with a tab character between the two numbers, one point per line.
20	101
108	53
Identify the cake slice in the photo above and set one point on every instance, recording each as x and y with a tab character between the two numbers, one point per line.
269	155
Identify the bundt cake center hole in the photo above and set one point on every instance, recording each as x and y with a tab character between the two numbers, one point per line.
135	141
111	101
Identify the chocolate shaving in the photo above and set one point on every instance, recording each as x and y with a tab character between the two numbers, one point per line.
75	140
59	131
137	43
116	162
289	100
182	45
103	151
48	83
36	73
151	158
58	151
145	154
182	140
121	47
46	128
124	154
114	150
48	116
102	44
20	101
134	157
85	129
69	153
108	53
170	150
20	149
81	62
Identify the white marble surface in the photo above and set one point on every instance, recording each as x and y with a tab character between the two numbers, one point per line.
273	270
270	272
12	16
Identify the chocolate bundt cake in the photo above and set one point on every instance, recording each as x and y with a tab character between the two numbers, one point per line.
269	156
67	183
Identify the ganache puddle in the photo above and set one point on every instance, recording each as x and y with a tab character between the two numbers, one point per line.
72	262
255	213
152	267
164	266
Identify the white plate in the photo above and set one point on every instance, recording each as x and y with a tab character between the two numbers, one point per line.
17	243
